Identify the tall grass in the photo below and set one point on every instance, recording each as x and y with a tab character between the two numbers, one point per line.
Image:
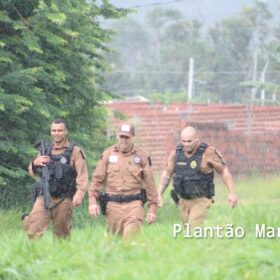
154	253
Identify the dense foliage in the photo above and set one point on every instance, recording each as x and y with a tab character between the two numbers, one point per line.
52	60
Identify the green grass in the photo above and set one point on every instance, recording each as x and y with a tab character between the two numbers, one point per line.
153	254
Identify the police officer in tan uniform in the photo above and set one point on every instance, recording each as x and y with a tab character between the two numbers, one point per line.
122	171
192	164
67	191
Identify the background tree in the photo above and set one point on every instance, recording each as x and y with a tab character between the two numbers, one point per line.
223	55
154	56
130	51
272	85
178	40
52	63
233	42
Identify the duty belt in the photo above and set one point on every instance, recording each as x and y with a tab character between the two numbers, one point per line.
123	198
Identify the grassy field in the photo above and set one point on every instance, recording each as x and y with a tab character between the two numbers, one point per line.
153	254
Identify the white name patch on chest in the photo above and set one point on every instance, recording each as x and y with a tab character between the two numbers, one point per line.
113	159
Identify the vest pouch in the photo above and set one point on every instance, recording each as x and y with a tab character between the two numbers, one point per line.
53	187
177	183
64	189
58	171
193	189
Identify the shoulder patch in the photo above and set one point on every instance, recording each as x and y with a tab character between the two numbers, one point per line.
137	159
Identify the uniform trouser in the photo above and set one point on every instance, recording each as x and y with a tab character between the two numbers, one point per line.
194	211
36	223
124	218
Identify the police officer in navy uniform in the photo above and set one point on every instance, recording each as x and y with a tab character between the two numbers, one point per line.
192	164
68	179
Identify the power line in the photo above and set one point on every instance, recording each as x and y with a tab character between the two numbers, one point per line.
149	90
155	4
261	28
185	72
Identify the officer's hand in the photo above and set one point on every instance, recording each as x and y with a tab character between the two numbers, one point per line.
41	161
78	198
151	217
232	199
160	201
94	210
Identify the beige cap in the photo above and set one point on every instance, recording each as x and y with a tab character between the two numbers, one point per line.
126	129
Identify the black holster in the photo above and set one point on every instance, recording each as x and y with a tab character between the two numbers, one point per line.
143	196
103	202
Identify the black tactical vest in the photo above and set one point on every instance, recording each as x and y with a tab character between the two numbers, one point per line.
62	181
188	181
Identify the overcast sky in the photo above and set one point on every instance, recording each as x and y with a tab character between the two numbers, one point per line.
206	11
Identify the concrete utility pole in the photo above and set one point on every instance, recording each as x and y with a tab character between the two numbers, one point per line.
263	82
262	91
255	67
190	87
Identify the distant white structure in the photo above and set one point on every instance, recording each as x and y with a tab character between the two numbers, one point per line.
138	98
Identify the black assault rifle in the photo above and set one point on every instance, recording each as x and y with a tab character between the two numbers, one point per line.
42	187
44	182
